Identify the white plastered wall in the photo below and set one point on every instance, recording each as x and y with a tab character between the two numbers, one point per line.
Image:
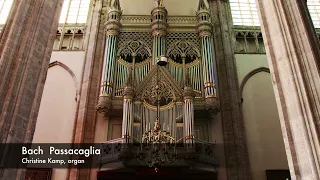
262	124
59	100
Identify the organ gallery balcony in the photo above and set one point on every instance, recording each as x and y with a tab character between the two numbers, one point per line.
116	154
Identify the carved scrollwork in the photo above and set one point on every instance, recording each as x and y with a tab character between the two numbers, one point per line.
164	91
167	89
183	49
134	48
143	52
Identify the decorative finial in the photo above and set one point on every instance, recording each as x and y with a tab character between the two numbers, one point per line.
202	5
158	3
116	4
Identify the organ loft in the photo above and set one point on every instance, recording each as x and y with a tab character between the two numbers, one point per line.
161	79
165	89
186	84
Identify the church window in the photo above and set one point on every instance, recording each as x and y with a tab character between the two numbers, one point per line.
244	13
74	11
314	9
5	6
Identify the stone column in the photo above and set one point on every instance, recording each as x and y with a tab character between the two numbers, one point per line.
159	27
25	51
294	60
112	32
94	43
237	160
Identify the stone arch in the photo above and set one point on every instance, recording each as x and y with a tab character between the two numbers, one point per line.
249	75
65	67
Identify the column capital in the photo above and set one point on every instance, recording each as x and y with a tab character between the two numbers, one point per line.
204	29
113	28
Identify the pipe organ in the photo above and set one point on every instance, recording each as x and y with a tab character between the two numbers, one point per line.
130	73
112	32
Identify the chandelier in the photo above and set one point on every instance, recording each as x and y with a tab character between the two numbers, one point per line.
158	147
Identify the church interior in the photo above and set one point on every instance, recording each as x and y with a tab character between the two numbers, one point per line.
202	89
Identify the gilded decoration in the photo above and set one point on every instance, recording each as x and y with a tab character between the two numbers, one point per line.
183	49
137	45
189	37
135	39
168	89
143	38
134	48
104	104
141	23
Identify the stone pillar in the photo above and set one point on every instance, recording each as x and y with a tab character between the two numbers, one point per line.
205	31
25	51
188	113
94	43
237	160
294	60
159	27
112	32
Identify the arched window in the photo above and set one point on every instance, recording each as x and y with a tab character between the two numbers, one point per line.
314	9
5	6
244	13
74	11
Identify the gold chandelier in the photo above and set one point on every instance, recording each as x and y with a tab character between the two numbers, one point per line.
158	147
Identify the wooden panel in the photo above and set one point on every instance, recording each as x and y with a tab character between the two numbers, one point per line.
115	128
116	131
38	174
196	134
199	132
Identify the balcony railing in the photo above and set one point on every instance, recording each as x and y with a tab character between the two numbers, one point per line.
113	151
110	151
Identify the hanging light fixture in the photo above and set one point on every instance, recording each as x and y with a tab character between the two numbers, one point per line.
162	61
158	147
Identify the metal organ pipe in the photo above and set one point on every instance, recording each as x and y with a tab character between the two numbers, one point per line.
205	32
112	31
